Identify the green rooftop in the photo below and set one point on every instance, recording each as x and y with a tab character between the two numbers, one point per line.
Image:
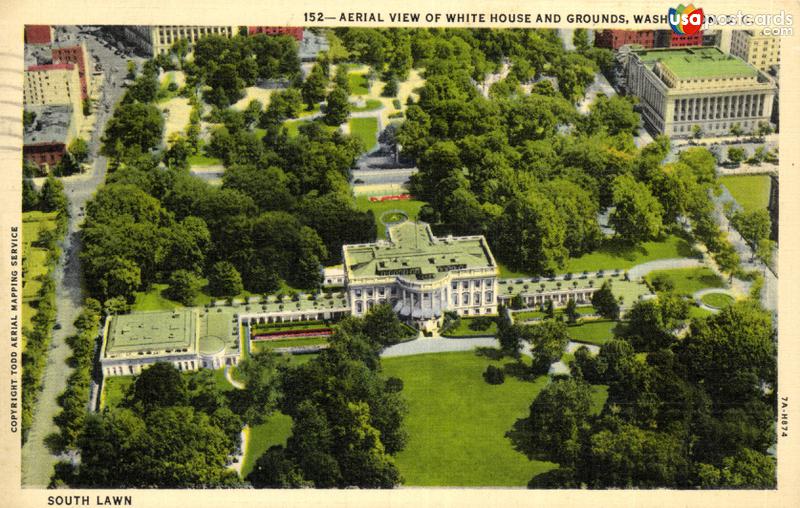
697	63
154	332
413	250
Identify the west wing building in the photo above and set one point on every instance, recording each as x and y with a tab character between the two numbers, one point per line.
422	276
681	88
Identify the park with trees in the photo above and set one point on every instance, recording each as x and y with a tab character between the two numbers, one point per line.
520	164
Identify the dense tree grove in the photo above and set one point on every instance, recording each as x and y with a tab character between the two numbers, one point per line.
695	413
347	418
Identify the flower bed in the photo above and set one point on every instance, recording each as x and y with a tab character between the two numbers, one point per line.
293	334
393	197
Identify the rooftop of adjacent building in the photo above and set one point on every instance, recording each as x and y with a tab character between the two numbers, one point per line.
412	249
152	331
698	62
51	124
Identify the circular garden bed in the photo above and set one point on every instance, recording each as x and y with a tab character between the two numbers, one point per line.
392	217
717	300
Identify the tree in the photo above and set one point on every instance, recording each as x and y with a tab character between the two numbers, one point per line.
605	302
753	225
548	341
736	155
510	338
134	126
765	250
258	399
614	114
184	286
736	129
121	278
337	108
739	343
78	150
382	325
748	469
391	88
637	214
224	280
580	38
628	456
697	132
169	447
494	375
559	416
572	311
30	198
131	67
52	197
313	89
158	386
529	234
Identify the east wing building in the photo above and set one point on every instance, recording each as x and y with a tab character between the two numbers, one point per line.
682	88
422	276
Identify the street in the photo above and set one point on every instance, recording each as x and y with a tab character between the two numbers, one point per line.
37	461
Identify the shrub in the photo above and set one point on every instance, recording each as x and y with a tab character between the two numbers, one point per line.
494	375
396	103
481	323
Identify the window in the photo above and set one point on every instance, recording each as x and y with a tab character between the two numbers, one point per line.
489	297
358	293
359	307
465	284
465	299
455	298
476	298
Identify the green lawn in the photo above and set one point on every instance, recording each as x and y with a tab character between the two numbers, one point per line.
365	129
698	313
614	255
114	388
371	105
689	280
750	191
463	329
599	396
221	381
274	431
358	83
201	159
593	332
457	422
717	300
289	326
410	206
508	273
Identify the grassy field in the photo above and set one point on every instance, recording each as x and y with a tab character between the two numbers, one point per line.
457	422
615	255
274	431
750	191
371	105
114	388
365	129
463	329
358	83
200	159
36	268
689	280
593	332
410	206
717	300
698	313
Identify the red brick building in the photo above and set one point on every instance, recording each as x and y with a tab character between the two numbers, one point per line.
613	39
293	31
77	55
38	34
45	142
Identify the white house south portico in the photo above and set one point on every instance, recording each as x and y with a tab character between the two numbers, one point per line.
422	276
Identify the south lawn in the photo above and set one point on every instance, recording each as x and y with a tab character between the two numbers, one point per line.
457	422
593	332
613	255
274	431
365	129
689	280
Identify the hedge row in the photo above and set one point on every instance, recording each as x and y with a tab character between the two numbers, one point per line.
75	399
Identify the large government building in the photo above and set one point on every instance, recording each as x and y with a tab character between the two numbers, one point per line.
699	86
422	276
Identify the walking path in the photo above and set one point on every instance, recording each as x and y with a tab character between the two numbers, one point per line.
698	297
643	269
232	381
